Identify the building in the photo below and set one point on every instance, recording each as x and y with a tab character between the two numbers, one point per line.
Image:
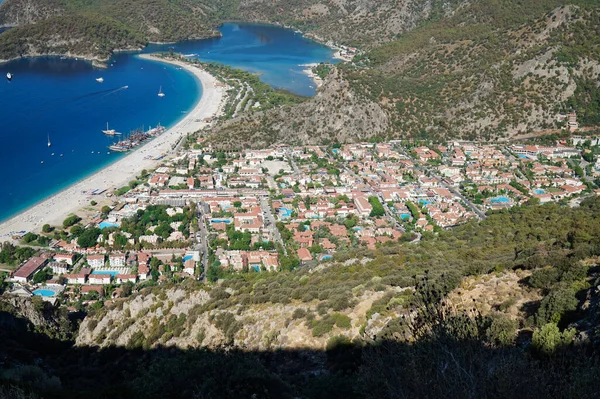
99	278
25	272
363	206
117	260
189	266
58	267
65	258
124	278
75	278
304	255
95	260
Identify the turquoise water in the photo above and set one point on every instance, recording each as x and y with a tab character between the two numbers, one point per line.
285	212
105	272
325	257
105	225
539	191
405	216
42	292
220	221
523	156
424	202
501	200
188	257
61	98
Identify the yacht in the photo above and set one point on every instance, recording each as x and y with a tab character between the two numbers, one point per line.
100	80
160	93
49	143
9	76
110	132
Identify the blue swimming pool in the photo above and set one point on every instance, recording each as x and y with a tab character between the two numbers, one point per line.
335	150
105	225
187	257
523	156
500	200
43	292
405	216
424	202
220	221
285	212
105	272
325	257
539	191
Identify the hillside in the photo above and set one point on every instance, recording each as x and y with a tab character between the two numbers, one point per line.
491	71
95	29
509	307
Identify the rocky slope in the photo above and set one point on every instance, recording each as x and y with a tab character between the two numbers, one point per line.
337	112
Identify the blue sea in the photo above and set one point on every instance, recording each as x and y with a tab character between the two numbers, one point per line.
59	100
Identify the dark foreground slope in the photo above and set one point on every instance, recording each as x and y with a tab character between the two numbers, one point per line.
446	351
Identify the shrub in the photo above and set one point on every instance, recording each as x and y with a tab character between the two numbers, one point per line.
227	323
298	313
501	331
341	320
549	338
323	326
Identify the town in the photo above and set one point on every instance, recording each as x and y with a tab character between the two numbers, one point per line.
205	214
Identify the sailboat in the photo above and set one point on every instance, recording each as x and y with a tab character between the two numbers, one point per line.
160	93
110	132
9	76
49	143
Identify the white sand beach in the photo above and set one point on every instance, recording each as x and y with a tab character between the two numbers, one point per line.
54	209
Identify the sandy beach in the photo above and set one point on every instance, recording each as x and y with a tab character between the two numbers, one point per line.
54	209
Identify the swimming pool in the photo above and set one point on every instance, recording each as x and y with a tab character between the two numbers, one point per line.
500	200
187	257
105	272
220	221
539	191
405	216
335	150
285	212
424	202
325	257
523	156
43	292
105	225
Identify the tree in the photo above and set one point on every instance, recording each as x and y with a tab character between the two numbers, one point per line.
105	209
93	203
29	237
42	276
71	220
46	228
549	338
89	237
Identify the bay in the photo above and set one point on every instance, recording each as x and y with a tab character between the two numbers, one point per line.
60	99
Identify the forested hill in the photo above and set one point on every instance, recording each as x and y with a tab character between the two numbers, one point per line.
93	29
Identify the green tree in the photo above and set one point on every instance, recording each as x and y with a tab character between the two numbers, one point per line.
549	338
71	220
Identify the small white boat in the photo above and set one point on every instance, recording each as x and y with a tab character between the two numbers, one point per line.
52	154
110	132
9	76
160	93
61	155
49	143
100	80
42	162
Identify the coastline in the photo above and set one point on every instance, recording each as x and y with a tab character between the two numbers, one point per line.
54	209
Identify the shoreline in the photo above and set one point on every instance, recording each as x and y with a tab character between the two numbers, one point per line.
54	209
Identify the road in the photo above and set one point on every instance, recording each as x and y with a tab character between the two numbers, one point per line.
270	223
202	237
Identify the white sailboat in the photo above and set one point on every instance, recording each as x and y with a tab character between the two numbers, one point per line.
160	93
49	143
110	132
